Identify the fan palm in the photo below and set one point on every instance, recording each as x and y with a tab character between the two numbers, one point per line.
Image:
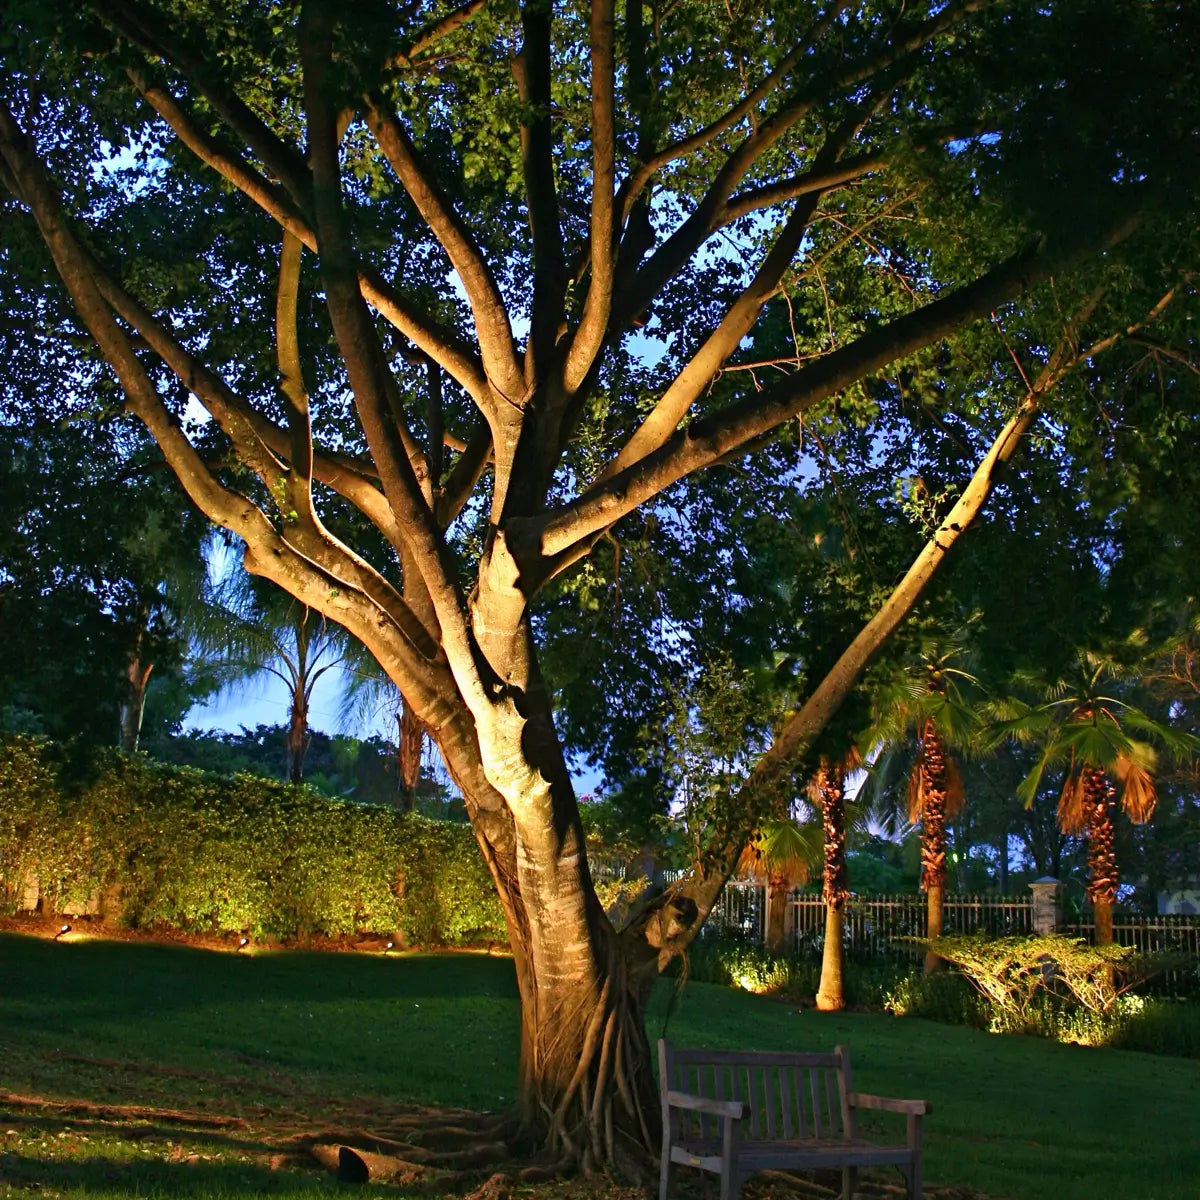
827	791
922	721
252	628
785	853
1105	748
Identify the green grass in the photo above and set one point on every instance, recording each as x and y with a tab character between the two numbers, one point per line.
295	1041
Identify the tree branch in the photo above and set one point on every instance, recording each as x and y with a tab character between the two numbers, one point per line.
703	366
487	305
533	74
434	32
754	199
589	337
364	360
713	437
439	343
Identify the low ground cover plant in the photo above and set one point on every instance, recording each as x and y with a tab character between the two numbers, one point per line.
1011	989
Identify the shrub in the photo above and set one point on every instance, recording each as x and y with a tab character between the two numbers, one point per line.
198	852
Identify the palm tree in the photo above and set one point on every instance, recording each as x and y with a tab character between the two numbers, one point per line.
372	696
828	793
785	853
1090	736
251	628
922	720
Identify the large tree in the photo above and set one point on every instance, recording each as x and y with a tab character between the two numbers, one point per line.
546	240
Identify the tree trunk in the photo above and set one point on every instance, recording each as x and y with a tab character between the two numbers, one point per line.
586	1095
933	786
1103	878
829	780
777	902
137	674
935	900
411	740
297	736
134	707
831	995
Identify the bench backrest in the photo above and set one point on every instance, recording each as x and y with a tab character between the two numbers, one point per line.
786	1095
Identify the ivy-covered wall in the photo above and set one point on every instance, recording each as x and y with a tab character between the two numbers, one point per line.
173	847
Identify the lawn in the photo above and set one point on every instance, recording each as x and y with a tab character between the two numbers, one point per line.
250	1048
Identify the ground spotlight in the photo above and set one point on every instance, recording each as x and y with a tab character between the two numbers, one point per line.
64	929
389	946
243	943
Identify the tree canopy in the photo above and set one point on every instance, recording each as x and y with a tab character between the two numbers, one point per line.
434	307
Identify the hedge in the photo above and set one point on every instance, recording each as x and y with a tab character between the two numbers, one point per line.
184	849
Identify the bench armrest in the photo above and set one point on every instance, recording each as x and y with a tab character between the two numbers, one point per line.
916	1108
717	1108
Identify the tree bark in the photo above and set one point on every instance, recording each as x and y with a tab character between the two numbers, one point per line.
777	902
933	787
1103	878
831	995
297	735
831	797
411	740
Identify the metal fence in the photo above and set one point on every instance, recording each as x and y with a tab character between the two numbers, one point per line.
878	927
1173	935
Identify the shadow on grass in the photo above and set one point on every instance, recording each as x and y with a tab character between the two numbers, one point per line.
103	1175
134	1132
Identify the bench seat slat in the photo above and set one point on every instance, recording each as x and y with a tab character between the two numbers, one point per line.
757	1154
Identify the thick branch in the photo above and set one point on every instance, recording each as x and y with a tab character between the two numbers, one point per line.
487	305
712	437
146	30
439	343
363	356
533	71
590	335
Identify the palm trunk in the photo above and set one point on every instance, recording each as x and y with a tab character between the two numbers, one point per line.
134	706
777	902
408	755
1103	878
831	993
297	736
933	833
137	673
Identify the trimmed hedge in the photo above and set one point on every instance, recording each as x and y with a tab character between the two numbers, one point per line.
185	849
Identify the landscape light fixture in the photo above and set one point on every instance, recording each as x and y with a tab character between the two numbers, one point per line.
389	946
64	929
243	943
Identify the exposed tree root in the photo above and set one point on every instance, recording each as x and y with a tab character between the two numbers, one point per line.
123	1112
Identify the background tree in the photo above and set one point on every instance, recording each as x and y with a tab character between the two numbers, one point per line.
1088	732
96	553
246	628
922	717
451	414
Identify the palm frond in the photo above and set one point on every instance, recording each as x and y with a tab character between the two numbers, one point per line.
1072	816
1138	795
914	794
784	850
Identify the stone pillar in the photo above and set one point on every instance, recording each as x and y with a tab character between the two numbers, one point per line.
1047	904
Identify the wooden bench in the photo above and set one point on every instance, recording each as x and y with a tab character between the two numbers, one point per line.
734	1112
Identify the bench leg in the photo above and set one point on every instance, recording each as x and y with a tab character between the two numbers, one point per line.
849	1179
730	1187
666	1176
